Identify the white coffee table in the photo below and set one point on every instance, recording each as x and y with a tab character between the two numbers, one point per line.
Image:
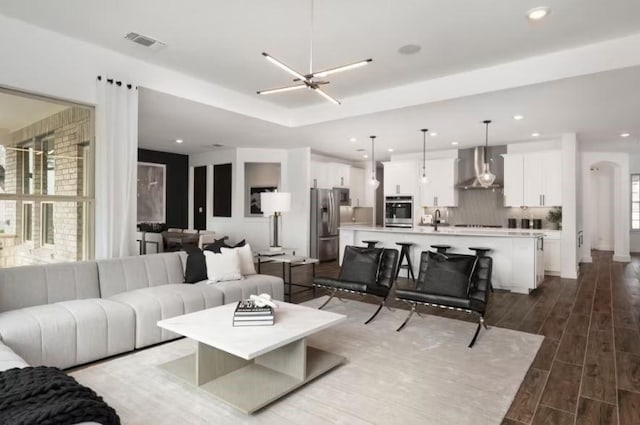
250	367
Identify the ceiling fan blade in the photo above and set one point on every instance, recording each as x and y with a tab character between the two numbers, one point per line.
326	96
341	68
282	89
284	67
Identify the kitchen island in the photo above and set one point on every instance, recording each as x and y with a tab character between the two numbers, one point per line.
518	261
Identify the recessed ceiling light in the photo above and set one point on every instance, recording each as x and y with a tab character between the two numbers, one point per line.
409	49
433	134
518	117
179	140
535	134
365	156
353	139
390	150
625	134
454	143
538	13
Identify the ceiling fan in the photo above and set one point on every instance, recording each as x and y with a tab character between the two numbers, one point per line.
309	80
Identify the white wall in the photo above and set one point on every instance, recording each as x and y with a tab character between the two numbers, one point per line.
602	215
621	201
634	236
569	183
294	178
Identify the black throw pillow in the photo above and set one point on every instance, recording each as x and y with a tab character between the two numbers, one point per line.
448	274
221	243
196	269
360	264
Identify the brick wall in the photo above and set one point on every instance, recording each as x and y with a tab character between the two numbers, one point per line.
70	132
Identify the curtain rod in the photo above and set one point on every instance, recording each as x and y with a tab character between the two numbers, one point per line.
117	83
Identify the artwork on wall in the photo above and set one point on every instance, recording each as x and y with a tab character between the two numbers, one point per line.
255	197
151	192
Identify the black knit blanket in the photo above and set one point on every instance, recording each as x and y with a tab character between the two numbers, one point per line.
48	396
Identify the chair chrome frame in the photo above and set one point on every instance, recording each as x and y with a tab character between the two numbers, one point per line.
414	304
333	292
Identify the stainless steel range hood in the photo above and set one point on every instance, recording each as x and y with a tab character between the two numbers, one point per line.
471	162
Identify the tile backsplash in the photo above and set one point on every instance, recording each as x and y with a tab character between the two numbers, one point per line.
478	206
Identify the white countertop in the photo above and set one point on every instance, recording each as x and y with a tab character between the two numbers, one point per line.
453	231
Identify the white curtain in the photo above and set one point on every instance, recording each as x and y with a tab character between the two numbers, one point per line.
116	169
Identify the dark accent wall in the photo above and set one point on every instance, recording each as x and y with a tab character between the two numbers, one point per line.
177	184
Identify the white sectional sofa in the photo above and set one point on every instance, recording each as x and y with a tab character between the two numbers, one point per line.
69	314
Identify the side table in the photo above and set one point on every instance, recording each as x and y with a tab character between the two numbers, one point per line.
289	262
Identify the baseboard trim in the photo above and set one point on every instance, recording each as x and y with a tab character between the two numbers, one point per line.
622	258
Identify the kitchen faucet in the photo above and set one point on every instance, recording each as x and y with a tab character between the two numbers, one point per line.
436	220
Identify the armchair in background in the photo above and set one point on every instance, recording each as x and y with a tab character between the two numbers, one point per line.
365	271
455	281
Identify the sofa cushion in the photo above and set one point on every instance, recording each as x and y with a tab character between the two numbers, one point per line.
237	290
9	359
163	302
29	286
69	333
143	271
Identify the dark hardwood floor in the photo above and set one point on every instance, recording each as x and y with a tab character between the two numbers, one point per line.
588	368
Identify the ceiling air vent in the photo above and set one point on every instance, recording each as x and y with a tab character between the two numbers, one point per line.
144	40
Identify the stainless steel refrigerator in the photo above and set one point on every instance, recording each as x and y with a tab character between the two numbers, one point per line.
325	220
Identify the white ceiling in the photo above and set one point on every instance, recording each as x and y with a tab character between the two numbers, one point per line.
597	107
221	41
17	112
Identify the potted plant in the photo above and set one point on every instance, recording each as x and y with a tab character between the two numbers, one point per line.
555	216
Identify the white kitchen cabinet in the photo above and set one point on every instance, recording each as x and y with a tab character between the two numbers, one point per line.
339	174
513	180
357	191
326	175
401	178
552	252
441	190
533	179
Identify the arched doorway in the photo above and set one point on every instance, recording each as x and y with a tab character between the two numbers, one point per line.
605	204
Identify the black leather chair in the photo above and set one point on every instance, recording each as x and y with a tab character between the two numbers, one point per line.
365	271
454	281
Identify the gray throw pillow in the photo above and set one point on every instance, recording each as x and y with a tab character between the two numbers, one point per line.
360	264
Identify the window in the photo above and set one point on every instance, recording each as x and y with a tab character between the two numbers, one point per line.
635	201
47	223
27	221
46	182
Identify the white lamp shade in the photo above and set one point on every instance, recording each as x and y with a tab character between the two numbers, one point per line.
271	202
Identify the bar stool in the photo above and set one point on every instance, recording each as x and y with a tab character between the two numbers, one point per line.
481	251
405	254
441	249
371	244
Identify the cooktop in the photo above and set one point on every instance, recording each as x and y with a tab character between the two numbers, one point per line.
488	226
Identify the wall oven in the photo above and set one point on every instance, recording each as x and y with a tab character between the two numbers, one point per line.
398	211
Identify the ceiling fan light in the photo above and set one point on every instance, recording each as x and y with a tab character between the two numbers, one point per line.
326	96
282	89
342	68
282	66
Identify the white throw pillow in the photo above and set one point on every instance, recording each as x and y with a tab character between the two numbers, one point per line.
223	266
246	259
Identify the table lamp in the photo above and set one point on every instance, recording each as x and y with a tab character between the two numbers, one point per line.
273	204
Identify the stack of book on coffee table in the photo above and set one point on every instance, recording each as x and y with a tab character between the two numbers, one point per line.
247	313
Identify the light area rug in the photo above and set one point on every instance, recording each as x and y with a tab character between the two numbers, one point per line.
424	374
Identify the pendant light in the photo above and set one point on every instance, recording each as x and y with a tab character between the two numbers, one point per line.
424	179
374	183
486	178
